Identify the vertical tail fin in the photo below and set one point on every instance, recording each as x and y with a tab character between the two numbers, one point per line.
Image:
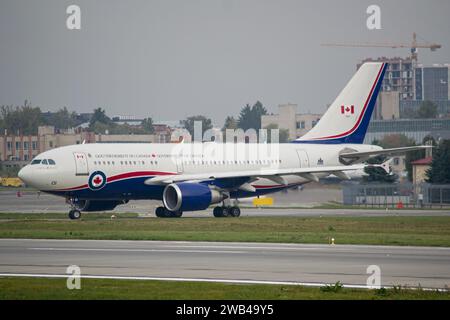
347	119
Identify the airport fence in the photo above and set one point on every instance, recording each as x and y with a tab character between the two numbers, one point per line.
396	195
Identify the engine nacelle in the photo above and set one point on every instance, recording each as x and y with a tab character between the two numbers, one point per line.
97	205
190	196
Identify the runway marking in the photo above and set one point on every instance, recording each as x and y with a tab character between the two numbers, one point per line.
255	245
236	281
246	249
136	250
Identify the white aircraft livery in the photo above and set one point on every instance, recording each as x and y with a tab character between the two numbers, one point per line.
194	176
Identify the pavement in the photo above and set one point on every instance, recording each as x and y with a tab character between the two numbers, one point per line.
31	202
229	262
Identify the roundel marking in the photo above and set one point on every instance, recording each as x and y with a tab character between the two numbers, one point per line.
97	180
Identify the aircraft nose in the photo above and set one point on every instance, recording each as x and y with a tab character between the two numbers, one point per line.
24	174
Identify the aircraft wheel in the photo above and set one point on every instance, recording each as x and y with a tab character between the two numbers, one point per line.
74	214
176	214
235	211
225	212
217	212
160	212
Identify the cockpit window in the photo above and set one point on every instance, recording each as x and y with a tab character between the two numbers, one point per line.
36	161
51	161
44	161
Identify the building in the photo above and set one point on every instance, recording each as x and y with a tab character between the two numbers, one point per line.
416	129
419	169
399	76
405	86
408	107
432	82
288	119
387	106
19	150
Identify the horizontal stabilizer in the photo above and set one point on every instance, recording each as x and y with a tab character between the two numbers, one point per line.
385	166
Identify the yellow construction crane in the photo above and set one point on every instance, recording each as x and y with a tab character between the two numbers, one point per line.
413	45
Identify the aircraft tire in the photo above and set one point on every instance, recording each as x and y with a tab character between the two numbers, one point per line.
160	212
176	214
235	211
217	212
225	212
74	214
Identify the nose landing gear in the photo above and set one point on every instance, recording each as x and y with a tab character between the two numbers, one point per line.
74	214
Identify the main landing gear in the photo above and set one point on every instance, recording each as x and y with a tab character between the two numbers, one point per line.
221	212
162	212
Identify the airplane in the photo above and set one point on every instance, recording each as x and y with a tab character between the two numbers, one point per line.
194	176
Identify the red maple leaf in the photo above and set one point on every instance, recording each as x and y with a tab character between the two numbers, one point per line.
97	180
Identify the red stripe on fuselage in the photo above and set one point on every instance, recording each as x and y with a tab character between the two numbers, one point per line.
137	174
123	176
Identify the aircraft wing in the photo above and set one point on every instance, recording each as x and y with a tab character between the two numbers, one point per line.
352	156
272	174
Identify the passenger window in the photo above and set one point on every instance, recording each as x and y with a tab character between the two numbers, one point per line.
44	161
51	161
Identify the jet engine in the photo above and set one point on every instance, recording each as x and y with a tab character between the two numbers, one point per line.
190	196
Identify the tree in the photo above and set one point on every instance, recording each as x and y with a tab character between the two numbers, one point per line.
250	117
147	125
427	110
100	122
189	123
99	116
230	123
62	119
283	134
378	174
396	141
439	170
21	120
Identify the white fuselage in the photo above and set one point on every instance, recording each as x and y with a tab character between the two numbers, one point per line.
133	163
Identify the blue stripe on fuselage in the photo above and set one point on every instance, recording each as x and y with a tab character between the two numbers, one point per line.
136	189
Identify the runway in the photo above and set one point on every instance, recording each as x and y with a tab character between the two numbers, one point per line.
29	202
228	262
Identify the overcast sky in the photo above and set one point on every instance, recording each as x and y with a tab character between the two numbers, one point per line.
172	58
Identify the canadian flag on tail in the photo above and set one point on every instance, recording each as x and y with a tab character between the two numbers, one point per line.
348	110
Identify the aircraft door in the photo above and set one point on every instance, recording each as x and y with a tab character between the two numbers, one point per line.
179	162
81	164
303	158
